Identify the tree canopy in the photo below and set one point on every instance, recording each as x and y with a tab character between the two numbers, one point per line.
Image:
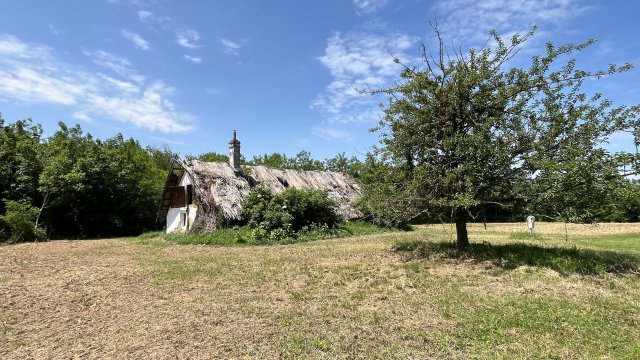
465	131
73	185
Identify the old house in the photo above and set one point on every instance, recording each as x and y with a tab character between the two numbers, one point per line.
200	192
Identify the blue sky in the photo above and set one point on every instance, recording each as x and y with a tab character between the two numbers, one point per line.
281	72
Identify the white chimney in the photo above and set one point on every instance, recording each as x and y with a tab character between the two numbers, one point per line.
234	154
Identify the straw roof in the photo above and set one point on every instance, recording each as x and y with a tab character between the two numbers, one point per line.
218	190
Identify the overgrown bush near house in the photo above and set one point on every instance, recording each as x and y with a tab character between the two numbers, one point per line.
275	217
19	220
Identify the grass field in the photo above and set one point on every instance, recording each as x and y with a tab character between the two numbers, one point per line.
520	297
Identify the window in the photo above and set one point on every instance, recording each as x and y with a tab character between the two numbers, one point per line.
185	220
177	196
189	194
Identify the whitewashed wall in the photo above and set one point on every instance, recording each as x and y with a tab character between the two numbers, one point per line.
174	215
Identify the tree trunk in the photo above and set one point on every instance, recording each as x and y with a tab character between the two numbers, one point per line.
44	205
461	230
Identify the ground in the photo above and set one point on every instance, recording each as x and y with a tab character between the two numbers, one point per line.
341	298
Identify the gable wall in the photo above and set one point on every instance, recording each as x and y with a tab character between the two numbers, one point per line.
175	219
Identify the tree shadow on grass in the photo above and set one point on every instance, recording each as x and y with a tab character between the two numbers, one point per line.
564	260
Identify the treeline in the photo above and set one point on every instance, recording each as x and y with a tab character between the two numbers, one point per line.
74	186
301	161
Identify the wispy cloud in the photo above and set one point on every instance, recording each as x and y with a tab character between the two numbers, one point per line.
332	133
136	40
34	74
32	84
230	47
12	47
188	38
366	7
469	21
193	59
54	30
82	116
149	17
115	63
359	61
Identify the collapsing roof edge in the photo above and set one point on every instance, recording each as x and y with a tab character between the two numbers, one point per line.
219	187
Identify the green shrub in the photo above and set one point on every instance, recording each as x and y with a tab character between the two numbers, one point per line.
273	218
20	220
5	230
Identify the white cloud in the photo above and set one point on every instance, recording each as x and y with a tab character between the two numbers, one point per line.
193	59
152	110
149	17
366	7
332	133
136	40
356	62
11	46
119	85
33	74
188	38
467	21
359	60
115	63
54	30
35	84
145	15
82	116
230	47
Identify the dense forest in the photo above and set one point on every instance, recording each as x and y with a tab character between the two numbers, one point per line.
72	185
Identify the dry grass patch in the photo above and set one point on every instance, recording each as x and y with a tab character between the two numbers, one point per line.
345	298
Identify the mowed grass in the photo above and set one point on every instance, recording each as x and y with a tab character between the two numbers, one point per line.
339	298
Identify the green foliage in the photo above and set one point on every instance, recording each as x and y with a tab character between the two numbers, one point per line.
340	163
280	216
20	220
244	235
82	187
162	158
20	161
463	133
304	161
214	157
99	188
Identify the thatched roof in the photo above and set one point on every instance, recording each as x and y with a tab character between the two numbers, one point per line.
218	189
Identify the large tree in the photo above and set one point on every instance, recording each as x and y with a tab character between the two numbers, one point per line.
463	131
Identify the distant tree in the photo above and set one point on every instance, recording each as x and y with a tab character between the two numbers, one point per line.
162	158
303	161
213	157
274	160
20	161
341	163
98	188
464	131
66	155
